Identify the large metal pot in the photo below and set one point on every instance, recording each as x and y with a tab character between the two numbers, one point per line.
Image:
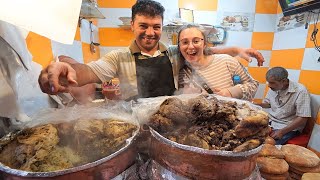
105	168
198	163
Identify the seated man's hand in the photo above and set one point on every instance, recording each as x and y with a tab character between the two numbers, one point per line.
276	134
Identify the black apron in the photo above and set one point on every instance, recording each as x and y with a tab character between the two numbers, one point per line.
154	76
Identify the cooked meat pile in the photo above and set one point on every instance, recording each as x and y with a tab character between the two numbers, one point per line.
52	147
209	123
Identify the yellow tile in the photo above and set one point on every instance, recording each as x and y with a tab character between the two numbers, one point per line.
244	62
40	48
88	56
258	73
77	36
262	40
116	3
311	80
266	7
309	43
203	5
291	58
115	37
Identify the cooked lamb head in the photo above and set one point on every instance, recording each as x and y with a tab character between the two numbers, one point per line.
202	108
175	110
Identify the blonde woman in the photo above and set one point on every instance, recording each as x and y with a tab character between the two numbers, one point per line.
218	73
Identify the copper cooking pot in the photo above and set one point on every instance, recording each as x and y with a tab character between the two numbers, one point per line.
198	163
105	168
102	169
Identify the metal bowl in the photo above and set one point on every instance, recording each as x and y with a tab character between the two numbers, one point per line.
198	163
105	168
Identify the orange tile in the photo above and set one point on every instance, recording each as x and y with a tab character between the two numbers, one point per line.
88	56
258	101
115	37
266	90
266	7
318	118
290	58
77	36
311	80
116	4
94	22
244	62
279	10
40	48
203	5
262	40
309	43
258	73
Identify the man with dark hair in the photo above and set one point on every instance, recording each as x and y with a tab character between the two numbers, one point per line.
147	68
289	104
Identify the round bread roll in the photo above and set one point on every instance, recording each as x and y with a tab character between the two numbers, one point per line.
269	150
268	176
310	176
272	166
300	156
315	169
270	140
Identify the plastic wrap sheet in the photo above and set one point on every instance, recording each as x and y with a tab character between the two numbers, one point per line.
101	111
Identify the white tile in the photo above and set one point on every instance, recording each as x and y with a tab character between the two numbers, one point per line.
260	91
104	50
112	16
73	50
315	104
241	39
290	39
294	75
205	17
85	32
247	6
266	55
171	10
264	22
169	4
314	142
310	59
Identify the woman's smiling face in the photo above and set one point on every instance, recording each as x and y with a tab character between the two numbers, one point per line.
191	44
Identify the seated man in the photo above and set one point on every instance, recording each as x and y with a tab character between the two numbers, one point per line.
289	104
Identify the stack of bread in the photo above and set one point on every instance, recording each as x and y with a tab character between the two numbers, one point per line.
272	164
301	160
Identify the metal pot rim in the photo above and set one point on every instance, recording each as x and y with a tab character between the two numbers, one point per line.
9	170
161	138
